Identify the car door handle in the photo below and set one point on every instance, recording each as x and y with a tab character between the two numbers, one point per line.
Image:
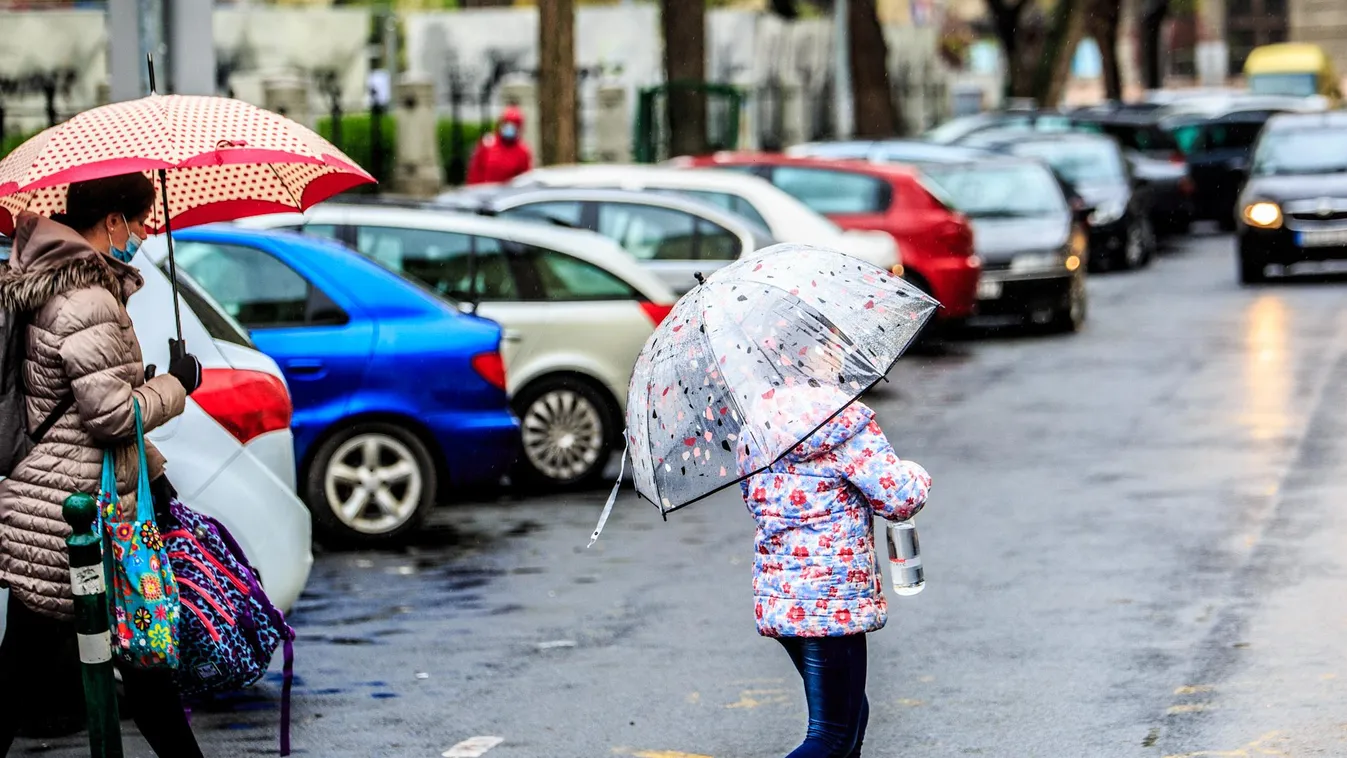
510	335
304	365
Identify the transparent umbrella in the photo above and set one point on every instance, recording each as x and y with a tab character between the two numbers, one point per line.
792	330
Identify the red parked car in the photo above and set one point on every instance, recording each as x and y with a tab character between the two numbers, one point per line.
936	242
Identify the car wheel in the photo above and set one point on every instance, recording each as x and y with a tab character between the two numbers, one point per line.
372	483
567	428
1134	248
1072	317
1252	270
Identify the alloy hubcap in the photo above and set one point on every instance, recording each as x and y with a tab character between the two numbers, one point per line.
373	483
1135	249
562	434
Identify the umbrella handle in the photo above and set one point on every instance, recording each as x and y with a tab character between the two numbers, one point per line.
176	349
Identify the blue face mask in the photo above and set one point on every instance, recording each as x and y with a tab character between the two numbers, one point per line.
132	245
509	131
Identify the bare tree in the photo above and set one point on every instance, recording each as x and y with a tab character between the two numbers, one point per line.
556	81
876	114
1102	21
684	25
1153	13
1037	45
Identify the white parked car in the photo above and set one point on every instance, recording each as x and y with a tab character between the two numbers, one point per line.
674	235
754	198
230	454
576	309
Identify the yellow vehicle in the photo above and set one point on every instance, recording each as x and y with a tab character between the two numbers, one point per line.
1293	68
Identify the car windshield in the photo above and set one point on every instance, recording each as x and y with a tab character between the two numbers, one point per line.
1078	162
999	191
1301	151
1143	137
1295	85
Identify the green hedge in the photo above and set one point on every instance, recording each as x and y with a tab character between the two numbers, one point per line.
355	141
12	140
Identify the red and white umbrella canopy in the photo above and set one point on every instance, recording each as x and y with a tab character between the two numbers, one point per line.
225	159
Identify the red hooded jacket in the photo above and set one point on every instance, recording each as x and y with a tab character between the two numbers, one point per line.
498	157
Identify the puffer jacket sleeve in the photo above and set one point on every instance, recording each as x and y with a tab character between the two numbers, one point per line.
94	356
895	489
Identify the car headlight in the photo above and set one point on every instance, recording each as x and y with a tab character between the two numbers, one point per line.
1263	215
1108	212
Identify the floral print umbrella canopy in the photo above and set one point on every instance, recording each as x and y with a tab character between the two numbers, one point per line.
735	353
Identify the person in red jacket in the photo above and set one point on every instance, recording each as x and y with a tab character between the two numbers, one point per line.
502	154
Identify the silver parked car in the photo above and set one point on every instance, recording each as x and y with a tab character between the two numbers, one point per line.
673	235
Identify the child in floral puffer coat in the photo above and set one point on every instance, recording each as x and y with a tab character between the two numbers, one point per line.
816	582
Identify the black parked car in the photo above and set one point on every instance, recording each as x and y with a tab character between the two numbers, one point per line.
1094	167
1217	148
1032	246
1294	206
1155	158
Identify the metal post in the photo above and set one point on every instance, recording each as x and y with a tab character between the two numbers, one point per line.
89	585
843	116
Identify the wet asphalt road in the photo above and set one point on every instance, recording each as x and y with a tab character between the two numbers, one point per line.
1136	546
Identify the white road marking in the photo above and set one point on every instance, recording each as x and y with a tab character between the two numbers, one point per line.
555	644
473	748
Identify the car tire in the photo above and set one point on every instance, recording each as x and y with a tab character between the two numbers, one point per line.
567	430
1134	253
1072	317
370	484
1252	270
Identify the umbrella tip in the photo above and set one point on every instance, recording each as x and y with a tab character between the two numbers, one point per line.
701	278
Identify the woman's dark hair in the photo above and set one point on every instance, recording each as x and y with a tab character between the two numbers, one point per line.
88	203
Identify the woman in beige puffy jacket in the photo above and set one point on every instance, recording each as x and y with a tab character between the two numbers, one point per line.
71	277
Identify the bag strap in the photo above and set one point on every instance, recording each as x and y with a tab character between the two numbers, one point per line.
287	682
63	405
144	493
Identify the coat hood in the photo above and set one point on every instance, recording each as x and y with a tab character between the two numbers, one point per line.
49	258
512	115
787	415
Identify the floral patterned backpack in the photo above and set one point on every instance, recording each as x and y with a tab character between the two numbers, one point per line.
142	594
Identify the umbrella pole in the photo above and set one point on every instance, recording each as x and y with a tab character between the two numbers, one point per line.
176	348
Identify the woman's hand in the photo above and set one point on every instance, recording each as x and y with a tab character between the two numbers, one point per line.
187	370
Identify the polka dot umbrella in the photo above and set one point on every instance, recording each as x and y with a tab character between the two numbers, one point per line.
754	360
211	159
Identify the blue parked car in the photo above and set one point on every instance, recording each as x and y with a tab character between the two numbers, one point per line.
398	395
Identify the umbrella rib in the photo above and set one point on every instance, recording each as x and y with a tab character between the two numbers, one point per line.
288	191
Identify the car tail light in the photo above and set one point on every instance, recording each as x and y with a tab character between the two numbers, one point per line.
491	367
1178	157
247	404
955	234
1186	185
656	312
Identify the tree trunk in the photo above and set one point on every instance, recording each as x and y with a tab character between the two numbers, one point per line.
1054	63
1006	19
876	115
1152	24
556	81
1102	22
684	27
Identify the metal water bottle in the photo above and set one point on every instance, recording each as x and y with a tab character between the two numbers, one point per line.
905	558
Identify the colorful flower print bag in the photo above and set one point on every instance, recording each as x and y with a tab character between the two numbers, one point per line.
142	593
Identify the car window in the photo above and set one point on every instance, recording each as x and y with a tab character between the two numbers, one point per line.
212	316
1301	151
648	232
1006	191
253	287
1233	135
828	191
457	266
565	277
326	231
716	243
732	203
565	212
1079	162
